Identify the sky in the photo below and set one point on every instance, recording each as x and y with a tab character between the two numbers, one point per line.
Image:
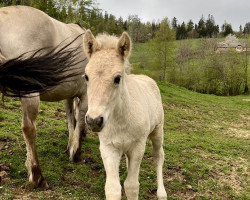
234	12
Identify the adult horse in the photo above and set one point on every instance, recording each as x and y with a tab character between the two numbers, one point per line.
25	29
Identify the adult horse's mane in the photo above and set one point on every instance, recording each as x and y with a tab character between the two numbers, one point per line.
41	70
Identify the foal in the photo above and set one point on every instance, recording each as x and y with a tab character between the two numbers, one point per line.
125	110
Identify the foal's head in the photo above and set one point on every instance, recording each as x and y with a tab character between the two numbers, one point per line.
104	74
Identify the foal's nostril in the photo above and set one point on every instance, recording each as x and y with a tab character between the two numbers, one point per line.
95	123
99	121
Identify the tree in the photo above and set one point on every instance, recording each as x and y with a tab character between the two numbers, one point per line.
190	29
201	28
226	29
247	28
210	26
240	29
134	23
162	46
245	63
139	32
174	23
190	25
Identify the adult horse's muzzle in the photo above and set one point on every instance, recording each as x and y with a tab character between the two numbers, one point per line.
94	124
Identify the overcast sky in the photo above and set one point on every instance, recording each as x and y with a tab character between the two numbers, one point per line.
235	12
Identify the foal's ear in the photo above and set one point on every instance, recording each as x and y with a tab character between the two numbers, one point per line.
90	44
124	45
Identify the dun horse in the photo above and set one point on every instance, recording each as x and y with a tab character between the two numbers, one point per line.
125	110
25	29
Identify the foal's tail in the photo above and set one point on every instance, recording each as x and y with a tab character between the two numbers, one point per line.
40	71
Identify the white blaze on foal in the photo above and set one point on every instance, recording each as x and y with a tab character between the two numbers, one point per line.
125	110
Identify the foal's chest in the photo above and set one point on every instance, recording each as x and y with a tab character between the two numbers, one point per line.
122	137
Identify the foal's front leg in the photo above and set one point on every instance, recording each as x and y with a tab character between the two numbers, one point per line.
111	159
134	157
30	108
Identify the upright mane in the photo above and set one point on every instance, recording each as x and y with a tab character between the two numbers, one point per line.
106	41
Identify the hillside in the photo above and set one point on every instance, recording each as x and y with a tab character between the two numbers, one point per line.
206	151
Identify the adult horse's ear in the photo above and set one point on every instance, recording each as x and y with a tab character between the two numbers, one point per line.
90	44
124	45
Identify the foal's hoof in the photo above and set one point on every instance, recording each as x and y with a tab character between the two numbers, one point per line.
162	195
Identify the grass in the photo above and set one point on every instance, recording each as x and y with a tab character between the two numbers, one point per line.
206	151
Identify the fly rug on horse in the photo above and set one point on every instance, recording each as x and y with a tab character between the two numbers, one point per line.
25	29
125	110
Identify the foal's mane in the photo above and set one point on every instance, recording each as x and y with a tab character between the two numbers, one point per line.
106	41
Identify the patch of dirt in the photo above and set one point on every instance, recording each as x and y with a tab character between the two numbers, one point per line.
4	168
176	175
231	178
236	129
28	193
245	99
245	117
239	133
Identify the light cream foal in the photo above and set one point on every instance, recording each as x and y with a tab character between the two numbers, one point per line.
125	110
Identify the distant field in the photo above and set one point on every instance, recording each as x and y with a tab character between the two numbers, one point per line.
206	151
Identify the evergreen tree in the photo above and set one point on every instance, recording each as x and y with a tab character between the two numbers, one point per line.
247	28
174	23
210	26
201	28
190	25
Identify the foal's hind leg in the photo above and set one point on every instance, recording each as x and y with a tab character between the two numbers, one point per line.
158	157
30	108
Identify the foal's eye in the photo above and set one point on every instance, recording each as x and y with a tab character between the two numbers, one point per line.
86	77
117	79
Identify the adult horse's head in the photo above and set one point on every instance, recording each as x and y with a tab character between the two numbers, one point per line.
105	75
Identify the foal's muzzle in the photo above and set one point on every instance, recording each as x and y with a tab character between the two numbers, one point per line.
95	124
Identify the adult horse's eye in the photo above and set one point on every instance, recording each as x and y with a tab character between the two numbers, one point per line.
86	77
117	79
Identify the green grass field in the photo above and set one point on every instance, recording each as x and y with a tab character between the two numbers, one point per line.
206	151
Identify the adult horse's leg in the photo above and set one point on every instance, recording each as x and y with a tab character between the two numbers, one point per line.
76	136
71	121
30	108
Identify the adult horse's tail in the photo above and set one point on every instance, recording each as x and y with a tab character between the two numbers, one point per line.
40	71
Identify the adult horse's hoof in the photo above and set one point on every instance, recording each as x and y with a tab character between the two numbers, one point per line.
74	156
36	178
41	183
77	156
